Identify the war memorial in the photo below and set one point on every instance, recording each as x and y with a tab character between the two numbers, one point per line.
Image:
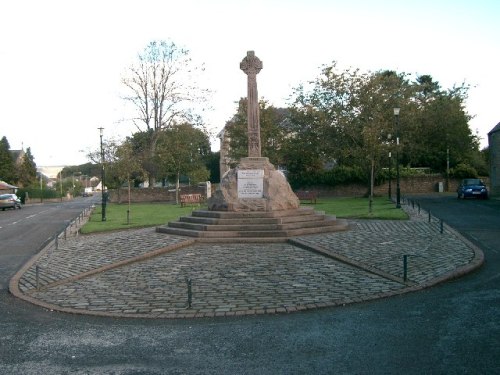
254	200
253	251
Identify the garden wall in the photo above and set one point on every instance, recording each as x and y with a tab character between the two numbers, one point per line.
159	194
408	185
411	185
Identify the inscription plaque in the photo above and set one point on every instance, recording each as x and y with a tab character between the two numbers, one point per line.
250	183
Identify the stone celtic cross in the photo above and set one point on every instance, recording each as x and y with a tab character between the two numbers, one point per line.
251	65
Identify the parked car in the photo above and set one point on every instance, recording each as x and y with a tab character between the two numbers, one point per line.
472	188
9	201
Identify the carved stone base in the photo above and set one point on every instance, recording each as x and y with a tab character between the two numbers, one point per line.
276	191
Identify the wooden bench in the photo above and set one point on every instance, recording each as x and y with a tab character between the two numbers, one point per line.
307	195
191	199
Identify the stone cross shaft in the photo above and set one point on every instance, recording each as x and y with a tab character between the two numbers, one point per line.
251	65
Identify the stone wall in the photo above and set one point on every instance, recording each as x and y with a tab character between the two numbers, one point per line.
138	195
494	146
411	185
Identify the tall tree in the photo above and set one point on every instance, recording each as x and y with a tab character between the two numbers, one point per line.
27	170
182	150
7	167
273	131
163	89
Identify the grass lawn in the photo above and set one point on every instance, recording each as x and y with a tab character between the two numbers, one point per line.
358	208
141	215
152	214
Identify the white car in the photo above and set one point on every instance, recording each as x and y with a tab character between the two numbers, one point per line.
9	201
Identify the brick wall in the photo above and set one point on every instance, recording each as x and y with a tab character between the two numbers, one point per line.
151	194
410	185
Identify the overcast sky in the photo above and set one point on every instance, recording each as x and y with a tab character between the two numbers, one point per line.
61	61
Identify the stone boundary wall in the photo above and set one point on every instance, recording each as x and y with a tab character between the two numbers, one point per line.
160	194
410	185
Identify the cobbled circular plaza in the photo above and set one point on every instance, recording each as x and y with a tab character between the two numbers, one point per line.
142	273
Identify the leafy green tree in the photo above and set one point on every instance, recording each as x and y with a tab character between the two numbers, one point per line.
7	167
27	170
212	163
163	89
273	131
443	133
182	150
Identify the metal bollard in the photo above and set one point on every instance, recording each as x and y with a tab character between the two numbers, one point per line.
418	205
441	226
65	229
429	216
56	241
189	291
405	268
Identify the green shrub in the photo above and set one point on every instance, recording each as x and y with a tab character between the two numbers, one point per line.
463	171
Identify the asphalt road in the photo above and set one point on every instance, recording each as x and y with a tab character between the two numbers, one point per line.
453	328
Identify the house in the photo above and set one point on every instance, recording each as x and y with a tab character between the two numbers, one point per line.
6	188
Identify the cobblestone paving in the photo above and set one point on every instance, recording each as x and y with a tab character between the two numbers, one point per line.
237	279
84	253
382	245
225	279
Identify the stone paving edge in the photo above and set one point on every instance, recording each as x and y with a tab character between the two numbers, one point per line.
472	266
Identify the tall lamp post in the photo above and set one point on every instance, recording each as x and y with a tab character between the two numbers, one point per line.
390	175
103	184
398	190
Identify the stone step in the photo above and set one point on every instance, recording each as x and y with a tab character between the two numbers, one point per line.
335	225
255	226
221	234
321	220
251	221
216	221
253	214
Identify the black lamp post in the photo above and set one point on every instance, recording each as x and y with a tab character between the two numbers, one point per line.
398	190
103	184
390	175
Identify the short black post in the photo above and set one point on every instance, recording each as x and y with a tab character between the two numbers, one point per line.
190	294
418	205
56	241
65	229
405	267
429	216
441	226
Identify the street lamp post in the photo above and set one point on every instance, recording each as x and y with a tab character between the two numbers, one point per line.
390	175
398	189
103	194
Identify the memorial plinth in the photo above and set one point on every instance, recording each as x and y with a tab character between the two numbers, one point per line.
254	185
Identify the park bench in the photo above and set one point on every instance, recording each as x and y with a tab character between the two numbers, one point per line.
191	199
307	195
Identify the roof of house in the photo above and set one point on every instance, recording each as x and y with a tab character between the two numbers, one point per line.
495	129
5	186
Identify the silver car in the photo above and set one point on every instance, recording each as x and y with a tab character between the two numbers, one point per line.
9	201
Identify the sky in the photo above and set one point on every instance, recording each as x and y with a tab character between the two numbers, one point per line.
61	62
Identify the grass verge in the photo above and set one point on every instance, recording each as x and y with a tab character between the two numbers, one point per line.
141	215
358	208
152	214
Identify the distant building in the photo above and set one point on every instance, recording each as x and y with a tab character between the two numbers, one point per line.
224	160
494	147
